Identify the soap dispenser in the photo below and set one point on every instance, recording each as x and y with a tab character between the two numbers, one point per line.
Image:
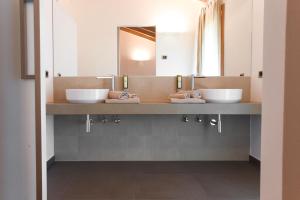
125	83
179	82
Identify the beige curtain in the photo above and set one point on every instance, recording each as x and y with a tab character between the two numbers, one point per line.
209	40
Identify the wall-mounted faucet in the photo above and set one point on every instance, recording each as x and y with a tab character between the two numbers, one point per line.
193	82
112	77
193	77
213	122
199	119
104	120
185	119
117	120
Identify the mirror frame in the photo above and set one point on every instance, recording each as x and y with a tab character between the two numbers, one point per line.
24	44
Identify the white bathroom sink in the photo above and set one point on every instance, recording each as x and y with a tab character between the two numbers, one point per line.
222	95
86	95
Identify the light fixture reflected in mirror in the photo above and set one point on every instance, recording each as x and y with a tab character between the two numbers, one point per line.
141	55
137	51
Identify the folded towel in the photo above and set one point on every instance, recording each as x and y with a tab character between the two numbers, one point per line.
188	101
179	96
132	95
120	95
191	93
135	100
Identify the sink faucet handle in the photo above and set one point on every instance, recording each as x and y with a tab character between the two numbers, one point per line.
112	77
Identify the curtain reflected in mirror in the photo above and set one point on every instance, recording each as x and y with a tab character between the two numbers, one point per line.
137	51
210	53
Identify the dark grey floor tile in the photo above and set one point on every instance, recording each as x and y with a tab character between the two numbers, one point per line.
168	186
153	181
231	186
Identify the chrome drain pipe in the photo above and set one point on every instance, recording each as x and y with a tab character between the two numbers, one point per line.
219	123
89	122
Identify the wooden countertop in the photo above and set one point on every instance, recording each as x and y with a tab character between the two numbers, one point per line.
151	108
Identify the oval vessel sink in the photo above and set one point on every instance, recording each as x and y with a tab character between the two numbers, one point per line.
86	95
222	95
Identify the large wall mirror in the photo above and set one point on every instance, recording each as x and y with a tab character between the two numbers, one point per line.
152	37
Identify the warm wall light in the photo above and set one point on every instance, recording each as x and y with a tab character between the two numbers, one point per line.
141	55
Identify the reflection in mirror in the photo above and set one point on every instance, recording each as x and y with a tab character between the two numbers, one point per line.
137	51
97	38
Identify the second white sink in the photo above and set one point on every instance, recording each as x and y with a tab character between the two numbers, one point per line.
86	95
222	95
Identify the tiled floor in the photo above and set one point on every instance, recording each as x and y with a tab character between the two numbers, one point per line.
153	181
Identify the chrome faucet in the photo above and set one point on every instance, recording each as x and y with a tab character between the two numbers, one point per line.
112	83
193	77
193	82
112	77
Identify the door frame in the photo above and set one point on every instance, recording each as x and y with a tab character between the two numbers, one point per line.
38	103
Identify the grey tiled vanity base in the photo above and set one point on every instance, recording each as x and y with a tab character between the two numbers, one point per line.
152	138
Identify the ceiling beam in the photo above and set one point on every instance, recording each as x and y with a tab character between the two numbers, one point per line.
143	32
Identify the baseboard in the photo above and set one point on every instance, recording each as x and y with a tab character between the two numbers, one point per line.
254	161
50	162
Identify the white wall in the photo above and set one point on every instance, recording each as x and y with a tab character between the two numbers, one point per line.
46	59
273	99
65	42
257	50
47	64
17	121
179	49
238	41
257	65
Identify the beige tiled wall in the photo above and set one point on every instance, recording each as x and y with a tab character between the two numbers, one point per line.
150	89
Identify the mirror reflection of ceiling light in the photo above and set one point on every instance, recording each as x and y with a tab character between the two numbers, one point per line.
141	55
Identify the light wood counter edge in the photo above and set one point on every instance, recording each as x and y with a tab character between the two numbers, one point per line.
153	109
